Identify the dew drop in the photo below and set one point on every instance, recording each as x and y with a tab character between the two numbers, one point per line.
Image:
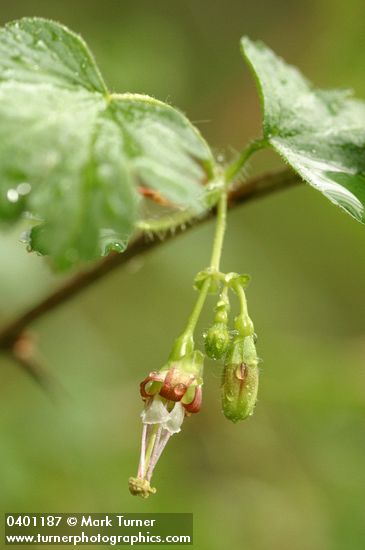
114	247
241	371
25	237
23	188
12	195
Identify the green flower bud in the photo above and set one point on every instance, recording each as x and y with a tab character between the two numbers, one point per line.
217	341
240	380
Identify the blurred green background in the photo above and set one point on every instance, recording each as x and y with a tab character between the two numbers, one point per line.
292	477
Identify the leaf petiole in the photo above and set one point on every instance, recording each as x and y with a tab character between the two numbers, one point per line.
235	168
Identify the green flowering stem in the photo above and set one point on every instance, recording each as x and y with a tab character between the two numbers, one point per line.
199	304
176	390
243	322
242	299
185	342
219	232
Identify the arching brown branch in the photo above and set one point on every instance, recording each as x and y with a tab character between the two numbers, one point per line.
252	188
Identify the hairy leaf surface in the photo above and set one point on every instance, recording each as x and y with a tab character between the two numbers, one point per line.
321	134
72	154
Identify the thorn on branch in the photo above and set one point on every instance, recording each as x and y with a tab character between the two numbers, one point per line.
25	353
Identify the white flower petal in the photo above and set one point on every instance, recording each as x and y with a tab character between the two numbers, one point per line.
155	413
176	418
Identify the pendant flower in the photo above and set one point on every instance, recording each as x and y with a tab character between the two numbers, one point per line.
169	395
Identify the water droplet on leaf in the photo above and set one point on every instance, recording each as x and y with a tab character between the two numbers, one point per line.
114	247
12	195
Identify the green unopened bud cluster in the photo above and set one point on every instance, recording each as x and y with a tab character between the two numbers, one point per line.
241	374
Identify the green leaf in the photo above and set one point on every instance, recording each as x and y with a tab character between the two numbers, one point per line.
321	134
72	154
